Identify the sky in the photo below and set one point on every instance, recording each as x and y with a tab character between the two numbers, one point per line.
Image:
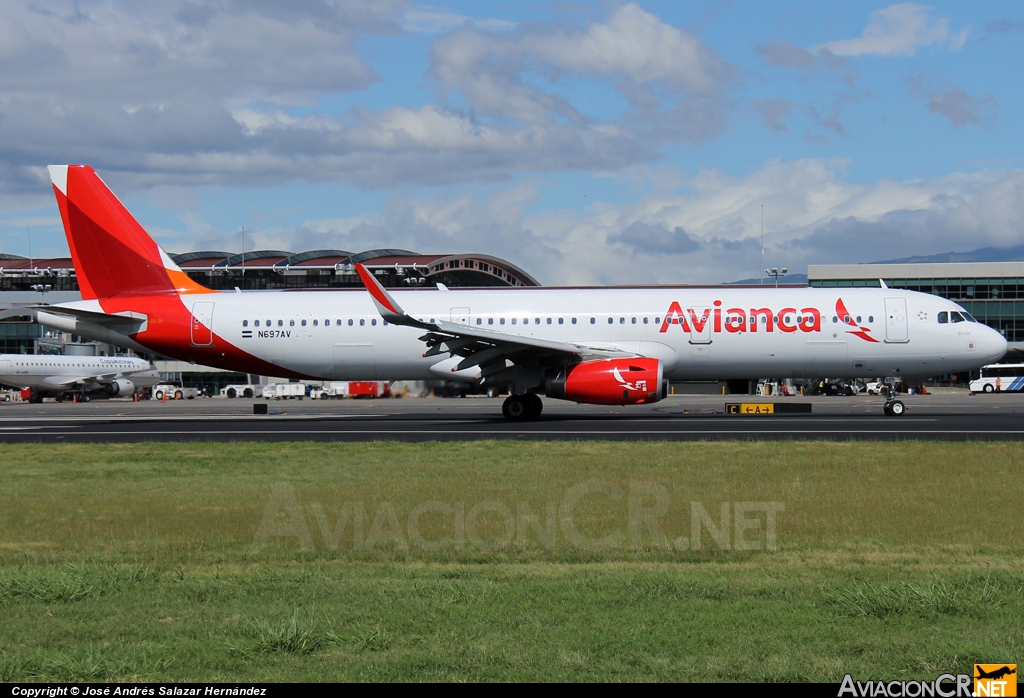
587	142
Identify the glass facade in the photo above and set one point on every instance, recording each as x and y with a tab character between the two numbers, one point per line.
997	302
19	337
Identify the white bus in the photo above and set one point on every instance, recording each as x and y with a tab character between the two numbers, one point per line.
1002	378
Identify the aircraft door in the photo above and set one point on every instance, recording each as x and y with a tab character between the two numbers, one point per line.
202	323
460	316
896	320
6	368
698	317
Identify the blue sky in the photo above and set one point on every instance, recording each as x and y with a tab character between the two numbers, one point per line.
600	142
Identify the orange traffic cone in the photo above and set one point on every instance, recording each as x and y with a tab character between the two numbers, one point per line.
74	399
164	398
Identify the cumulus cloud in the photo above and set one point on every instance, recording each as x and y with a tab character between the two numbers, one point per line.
643	237
961	108
122	85
227	92
773	111
424	19
1004	25
898	30
706	231
787	55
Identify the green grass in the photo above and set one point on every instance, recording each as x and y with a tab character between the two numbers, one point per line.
154	561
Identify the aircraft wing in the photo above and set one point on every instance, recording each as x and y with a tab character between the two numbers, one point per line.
122	323
484	348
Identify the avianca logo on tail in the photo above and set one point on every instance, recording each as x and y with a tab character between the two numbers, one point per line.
857	331
735	320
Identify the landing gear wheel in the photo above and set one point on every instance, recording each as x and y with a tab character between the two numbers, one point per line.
535	404
84	398
516	408
895	408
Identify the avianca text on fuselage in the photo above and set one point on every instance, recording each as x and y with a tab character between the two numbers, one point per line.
740	319
736	320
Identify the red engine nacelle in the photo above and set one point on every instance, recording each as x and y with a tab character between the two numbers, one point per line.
610	382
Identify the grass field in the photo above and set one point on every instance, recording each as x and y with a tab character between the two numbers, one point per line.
509	561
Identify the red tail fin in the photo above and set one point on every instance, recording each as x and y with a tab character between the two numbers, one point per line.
113	254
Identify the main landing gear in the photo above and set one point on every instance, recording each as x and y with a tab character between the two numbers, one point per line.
893	407
522	408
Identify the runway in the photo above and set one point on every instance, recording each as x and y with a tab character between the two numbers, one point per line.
947	416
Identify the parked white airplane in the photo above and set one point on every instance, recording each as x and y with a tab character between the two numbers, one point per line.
61	375
593	345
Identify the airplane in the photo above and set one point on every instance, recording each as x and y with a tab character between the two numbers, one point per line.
63	376
609	346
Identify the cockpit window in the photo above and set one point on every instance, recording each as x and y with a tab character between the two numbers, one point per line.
970	318
956	317
943	318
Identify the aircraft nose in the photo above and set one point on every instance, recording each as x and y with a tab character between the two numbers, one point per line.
994	345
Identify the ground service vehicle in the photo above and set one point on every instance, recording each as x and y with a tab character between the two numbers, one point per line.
284	391
333	390
1001	378
174	392
241	390
368	389
607	346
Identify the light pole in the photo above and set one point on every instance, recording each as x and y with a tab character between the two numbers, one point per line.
776	272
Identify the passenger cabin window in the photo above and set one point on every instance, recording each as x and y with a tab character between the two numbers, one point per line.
362	321
291	323
245	323
561	321
257	323
593	320
479	321
611	320
350	322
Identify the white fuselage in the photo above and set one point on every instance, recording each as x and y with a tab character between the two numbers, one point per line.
62	372
724	333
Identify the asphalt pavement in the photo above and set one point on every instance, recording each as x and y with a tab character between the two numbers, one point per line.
950	415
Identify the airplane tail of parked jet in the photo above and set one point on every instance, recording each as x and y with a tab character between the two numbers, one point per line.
114	256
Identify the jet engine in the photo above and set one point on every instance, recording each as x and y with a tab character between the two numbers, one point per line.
121	386
610	382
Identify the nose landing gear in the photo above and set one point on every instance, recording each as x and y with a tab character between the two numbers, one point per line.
522	408
893	407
